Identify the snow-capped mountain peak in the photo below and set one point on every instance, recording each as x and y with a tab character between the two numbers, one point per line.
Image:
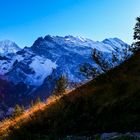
32	65
115	43
7	47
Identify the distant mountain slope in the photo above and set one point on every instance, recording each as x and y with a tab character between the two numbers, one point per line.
34	70
109	103
64	55
70	53
7	47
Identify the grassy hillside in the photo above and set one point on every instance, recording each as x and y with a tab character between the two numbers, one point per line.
109	103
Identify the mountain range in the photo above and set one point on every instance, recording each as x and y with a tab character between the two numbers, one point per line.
31	72
108	104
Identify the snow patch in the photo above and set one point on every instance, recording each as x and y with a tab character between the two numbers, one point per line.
42	69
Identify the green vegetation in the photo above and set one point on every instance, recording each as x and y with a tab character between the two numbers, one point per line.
61	85
38	100
136	44
33	103
18	110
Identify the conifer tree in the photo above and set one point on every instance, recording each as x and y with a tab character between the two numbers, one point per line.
100	60
61	85
136	44
89	71
38	100
18	110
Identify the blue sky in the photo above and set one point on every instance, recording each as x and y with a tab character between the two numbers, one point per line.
23	21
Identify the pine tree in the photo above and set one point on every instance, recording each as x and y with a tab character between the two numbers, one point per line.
89	71
61	85
136	44
38	100
103	65
114	58
18	110
99	59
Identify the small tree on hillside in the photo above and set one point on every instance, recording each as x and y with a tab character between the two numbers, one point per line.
136	44
89	71
103	65
99	59
18	110
61	85
38	100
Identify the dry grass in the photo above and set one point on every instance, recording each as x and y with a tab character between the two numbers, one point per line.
8	123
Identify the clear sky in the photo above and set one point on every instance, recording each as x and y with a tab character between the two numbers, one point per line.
23	21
